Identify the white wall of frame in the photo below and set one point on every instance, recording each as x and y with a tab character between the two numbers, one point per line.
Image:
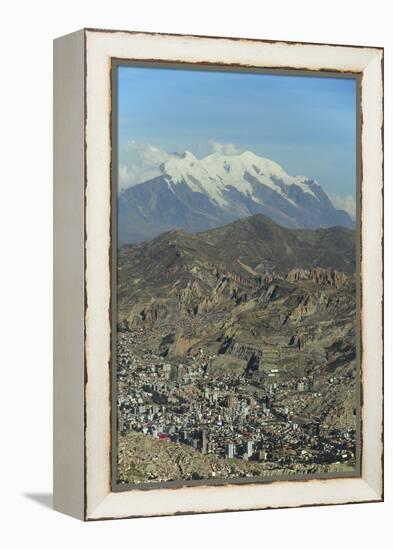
101	47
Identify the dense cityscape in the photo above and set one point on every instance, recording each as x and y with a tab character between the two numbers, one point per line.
255	415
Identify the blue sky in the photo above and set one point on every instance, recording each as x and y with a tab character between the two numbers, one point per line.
306	124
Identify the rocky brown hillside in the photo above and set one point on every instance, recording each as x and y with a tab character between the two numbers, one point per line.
249	281
147	459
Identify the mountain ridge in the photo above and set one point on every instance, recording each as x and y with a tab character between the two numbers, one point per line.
198	195
185	269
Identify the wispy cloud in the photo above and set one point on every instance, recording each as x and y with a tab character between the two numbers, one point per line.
139	162
346	203
224	148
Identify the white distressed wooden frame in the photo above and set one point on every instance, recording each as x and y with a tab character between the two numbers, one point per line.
82	477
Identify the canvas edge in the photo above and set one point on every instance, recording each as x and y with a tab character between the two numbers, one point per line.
100	510
236	38
68	274
372	271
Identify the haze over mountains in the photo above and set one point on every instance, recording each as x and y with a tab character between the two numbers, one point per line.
197	195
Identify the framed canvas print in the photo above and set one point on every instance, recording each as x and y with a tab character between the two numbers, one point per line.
218	274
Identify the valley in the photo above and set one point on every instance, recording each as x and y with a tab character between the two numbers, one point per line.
237	353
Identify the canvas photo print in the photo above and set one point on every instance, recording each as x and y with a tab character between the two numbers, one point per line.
235	276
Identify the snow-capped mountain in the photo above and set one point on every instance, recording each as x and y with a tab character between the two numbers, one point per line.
196	195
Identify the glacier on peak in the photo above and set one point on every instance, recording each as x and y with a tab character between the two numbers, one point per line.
216	173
